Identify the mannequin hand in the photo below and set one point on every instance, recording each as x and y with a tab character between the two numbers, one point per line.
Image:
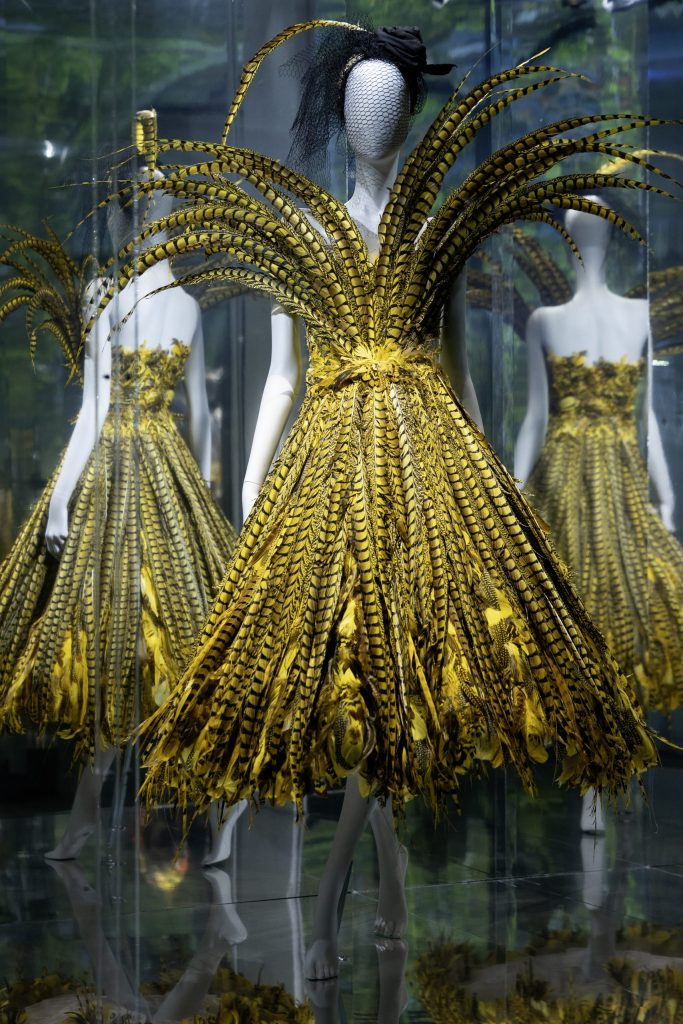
57	528
666	512
250	492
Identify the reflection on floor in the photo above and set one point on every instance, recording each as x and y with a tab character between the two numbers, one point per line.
511	910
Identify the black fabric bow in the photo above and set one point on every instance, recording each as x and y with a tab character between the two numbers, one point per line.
403	45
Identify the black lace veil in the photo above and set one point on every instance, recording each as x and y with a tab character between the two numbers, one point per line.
324	71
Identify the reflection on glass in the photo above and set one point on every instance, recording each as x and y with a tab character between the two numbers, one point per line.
579	455
576	921
109	579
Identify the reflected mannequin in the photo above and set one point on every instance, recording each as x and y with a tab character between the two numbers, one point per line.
590	481
377	118
98	628
135	315
183	312
392	958
224	930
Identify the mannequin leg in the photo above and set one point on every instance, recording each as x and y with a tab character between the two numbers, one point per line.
224	929
592	816
83	817
221	832
392	856
110	977
320	962
393	995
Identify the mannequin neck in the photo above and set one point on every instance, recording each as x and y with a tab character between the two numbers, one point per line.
156	276
590	275
374	179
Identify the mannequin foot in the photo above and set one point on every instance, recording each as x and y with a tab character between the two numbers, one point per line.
592	817
321	962
393	995
324	998
225	924
71	844
392	910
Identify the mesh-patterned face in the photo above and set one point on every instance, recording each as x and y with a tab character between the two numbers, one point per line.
376	109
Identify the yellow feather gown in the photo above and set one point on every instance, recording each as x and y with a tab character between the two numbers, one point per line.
90	642
591	485
393	606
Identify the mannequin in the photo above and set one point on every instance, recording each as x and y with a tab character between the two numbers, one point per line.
377	119
91	635
610	330
173	314
393	614
609	327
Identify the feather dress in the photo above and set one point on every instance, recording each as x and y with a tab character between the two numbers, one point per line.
393	606
90	642
591	485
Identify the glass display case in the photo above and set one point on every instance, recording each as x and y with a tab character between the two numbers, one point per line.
518	908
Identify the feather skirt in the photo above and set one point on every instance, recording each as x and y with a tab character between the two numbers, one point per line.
591	485
392	608
93	641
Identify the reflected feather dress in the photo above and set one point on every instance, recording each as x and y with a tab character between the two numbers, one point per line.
591	485
393	606
92	640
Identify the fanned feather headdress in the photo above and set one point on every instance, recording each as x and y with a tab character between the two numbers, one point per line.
50	287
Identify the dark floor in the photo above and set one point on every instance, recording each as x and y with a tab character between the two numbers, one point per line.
507	902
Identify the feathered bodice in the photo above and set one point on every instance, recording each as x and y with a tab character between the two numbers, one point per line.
145	379
603	391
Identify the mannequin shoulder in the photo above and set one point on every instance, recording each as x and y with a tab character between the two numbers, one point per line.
185	301
544	317
639	309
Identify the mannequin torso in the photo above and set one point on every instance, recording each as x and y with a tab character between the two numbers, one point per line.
375	138
602	326
597	322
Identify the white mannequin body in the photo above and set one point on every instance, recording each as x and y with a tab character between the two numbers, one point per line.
599	323
156	320
602	325
375	138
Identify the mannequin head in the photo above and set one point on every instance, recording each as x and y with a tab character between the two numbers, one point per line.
587	230
592	235
350	82
376	109
125	222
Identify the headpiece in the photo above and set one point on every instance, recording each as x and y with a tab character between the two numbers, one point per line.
320	116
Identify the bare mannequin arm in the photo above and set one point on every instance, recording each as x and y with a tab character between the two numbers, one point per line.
454	350
532	432
198	403
94	408
658	468
281	385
